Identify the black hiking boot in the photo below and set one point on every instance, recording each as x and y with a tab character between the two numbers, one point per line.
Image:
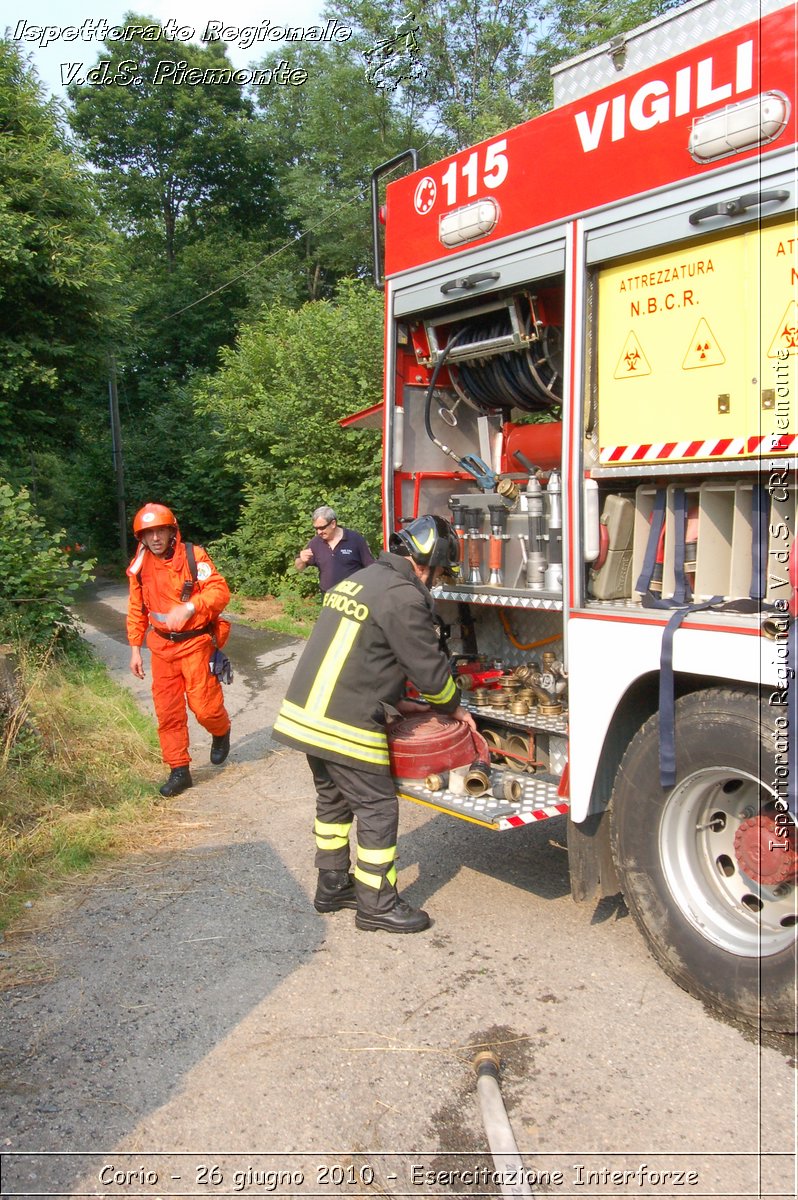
179	779
335	890
399	919
220	748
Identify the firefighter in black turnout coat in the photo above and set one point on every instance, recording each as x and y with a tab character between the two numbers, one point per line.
375	631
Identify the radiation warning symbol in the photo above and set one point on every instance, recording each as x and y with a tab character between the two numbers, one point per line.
633	362
786	338
703	350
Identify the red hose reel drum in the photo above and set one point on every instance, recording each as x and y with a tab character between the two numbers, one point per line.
425	745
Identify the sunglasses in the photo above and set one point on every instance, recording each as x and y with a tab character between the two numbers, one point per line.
318	528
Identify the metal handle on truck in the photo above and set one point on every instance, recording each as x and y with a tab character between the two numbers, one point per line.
733	208
376	175
467	282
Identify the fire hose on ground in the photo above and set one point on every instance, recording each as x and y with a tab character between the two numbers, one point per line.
507	1161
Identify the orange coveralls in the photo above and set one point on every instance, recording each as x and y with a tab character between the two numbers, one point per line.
179	667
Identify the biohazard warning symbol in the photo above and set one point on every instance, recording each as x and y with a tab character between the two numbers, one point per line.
703	350
633	362
786	338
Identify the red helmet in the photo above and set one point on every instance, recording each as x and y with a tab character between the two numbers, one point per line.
151	516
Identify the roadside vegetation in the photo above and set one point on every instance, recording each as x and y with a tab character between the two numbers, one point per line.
78	761
78	766
292	615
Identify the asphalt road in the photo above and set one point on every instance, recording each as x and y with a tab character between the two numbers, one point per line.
193	1027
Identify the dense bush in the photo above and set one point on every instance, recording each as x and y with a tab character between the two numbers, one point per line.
277	402
39	577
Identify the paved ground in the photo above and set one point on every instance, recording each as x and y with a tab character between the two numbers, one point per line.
197	1028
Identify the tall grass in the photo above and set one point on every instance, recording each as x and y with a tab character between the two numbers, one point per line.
78	765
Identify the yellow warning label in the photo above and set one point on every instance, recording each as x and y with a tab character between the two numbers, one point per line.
786	338
633	362
729	304
703	350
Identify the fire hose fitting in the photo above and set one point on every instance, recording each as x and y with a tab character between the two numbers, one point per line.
477	780
495	743
498	536
536	558
508	789
459	528
553	577
437	782
474	537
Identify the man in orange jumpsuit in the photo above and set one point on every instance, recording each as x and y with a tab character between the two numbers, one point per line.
175	614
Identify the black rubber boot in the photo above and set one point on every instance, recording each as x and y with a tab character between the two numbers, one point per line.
399	919
335	890
220	748
179	779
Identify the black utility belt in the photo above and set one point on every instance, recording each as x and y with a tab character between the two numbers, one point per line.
183	635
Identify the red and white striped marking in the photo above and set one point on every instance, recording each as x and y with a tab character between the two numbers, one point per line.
529	818
716	448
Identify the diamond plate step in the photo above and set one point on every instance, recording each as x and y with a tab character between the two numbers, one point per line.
538	801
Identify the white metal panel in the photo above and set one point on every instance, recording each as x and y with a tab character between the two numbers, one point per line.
522	260
607	656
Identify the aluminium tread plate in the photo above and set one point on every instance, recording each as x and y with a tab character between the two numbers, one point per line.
503	716
500	598
538	802
679	29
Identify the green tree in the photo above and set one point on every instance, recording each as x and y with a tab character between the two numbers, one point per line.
187	179
468	72
176	157
483	65
326	137
176	456
58	277
39	579
279	397
572	27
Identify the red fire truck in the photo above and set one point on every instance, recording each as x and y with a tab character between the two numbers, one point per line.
591	345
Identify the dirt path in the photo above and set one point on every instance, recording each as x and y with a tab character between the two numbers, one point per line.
194	1023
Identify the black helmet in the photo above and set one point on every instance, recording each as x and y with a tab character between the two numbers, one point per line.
430	541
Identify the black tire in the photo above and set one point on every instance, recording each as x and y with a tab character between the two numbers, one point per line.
721	936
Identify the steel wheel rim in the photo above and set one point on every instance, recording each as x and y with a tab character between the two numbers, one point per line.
696	845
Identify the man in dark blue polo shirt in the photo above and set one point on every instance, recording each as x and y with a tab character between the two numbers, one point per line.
335	551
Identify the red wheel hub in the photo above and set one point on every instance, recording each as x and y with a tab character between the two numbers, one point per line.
767	851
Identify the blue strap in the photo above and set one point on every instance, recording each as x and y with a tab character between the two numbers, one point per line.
667	702
680	590
649	560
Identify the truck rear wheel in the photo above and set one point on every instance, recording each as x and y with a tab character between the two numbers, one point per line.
708	877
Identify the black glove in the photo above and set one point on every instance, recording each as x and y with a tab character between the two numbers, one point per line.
221	667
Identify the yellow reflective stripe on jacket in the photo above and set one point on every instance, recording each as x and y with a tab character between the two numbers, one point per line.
327	674
369	738
361	744
376	857
444	696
